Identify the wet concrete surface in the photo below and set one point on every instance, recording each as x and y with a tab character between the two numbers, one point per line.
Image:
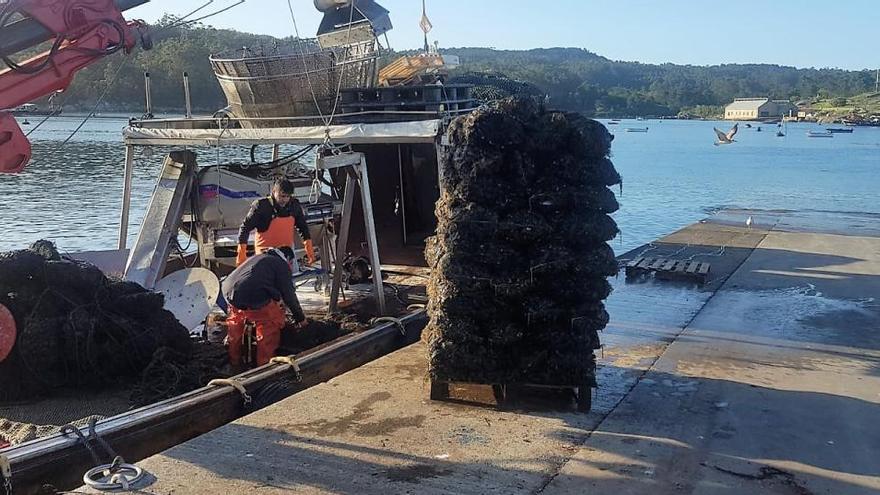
774	387
767	380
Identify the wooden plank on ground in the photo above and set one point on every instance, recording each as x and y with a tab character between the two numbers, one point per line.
657	264
634	263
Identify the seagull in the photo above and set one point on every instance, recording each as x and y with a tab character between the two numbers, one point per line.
726	138
749	222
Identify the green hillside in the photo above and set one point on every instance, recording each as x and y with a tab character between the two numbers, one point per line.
573	78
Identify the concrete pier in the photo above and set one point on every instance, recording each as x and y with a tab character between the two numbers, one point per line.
764	381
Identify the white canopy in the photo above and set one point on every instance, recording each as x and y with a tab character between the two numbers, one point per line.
423	131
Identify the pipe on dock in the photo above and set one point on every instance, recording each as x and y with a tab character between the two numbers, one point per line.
126	197
186	95
148	113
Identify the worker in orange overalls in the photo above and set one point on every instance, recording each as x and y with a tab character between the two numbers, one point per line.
275	218
254	291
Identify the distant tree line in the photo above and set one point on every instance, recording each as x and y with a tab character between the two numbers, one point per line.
579	80
573	79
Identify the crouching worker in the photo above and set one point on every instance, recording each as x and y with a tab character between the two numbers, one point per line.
254	292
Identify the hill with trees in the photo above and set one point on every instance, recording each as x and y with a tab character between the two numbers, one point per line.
574	79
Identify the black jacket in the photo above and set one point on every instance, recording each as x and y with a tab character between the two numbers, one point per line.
260	280
264	210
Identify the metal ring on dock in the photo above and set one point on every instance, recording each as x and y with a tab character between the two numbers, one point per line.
121	476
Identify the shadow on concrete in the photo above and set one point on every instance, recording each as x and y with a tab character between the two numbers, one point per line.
674	432
671	435
287	461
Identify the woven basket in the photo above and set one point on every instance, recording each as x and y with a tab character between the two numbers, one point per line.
295	79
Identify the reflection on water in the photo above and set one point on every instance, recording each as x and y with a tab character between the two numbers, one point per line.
673	176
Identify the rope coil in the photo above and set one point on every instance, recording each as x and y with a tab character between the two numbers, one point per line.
231	382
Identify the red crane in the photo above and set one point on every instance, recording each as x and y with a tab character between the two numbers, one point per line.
81	33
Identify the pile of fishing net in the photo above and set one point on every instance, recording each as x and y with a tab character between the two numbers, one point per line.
490	86
77	328
520	261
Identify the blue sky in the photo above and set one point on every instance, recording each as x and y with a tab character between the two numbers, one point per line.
802	33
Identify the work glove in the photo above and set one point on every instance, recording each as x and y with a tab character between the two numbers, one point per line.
310	251
241	257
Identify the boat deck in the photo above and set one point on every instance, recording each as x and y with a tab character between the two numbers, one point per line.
28	420
764	380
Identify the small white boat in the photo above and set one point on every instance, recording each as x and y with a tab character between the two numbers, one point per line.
820	134
636	129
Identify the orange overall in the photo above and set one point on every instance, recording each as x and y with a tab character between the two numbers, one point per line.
269	320
279	234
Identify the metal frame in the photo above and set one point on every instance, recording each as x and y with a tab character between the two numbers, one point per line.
355	165
402	197
148	256
126	197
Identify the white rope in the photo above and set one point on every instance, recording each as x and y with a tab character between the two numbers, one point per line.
390	319
290	361
231	382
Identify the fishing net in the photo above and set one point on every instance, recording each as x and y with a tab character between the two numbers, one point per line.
495	86
77	328
520	258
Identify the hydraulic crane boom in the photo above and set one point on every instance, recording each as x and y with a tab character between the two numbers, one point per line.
82	32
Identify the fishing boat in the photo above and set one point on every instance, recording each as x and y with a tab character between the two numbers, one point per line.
636	129
819	134
839	130
369	154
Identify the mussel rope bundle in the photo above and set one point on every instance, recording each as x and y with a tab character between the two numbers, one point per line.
76	327
520	259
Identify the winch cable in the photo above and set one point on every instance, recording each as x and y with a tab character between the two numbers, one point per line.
314	193
206	16
345	63
303	55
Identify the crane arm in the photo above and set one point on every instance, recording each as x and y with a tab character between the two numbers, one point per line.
82	33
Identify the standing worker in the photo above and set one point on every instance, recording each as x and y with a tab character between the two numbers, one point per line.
275	219
254	292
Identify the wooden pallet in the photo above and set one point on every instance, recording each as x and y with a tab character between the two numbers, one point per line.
508	395
668	269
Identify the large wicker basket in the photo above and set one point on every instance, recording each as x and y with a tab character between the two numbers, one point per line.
295	79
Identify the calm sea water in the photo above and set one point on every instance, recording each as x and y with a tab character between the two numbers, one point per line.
673	176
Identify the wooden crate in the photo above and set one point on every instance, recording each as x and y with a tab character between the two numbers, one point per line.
669	269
